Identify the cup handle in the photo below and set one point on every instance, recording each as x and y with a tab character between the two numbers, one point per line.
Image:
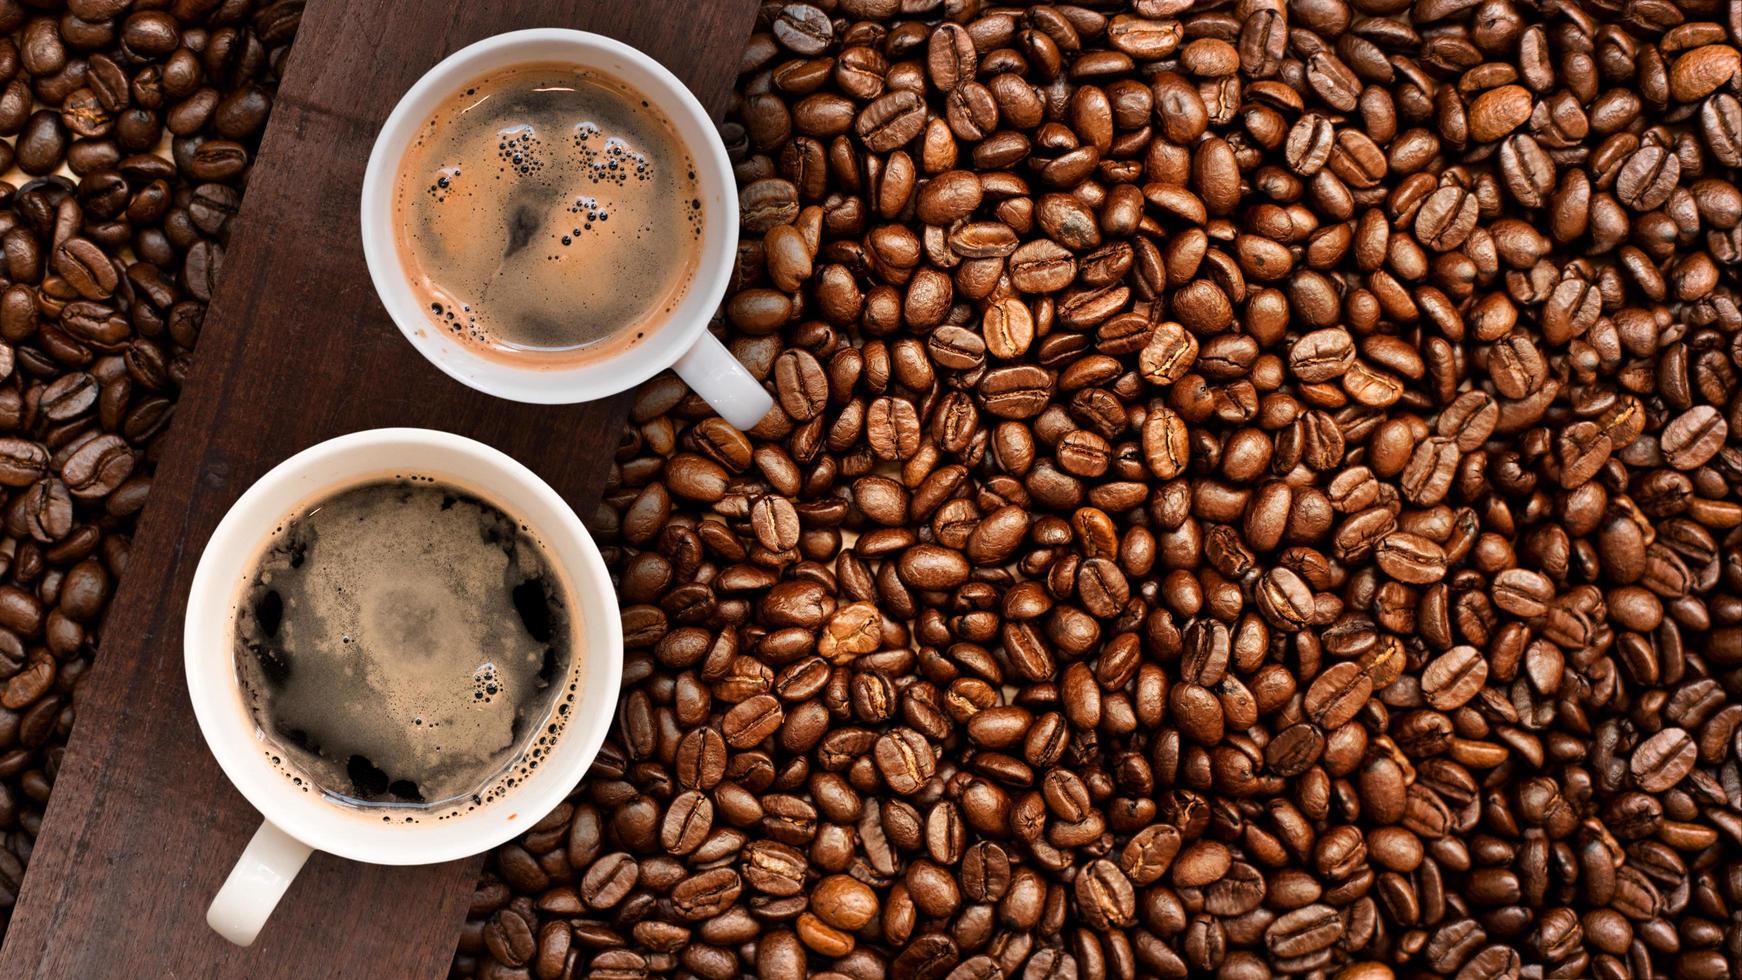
265	869
712	372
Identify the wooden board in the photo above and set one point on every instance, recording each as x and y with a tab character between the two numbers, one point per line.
143	826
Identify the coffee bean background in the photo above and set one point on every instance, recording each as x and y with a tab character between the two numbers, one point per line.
1253	488
1254	491
128	127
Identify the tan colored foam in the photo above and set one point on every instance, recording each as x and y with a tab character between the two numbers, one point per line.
548	215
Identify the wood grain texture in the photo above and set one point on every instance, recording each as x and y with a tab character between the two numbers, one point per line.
143	827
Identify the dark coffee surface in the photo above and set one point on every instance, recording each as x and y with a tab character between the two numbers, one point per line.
404	643
547	213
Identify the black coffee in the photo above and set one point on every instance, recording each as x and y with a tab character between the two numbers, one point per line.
405	643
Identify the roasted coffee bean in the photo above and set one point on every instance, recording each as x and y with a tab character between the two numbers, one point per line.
905	759
1523	593
1338	694
1663	760
1104	896
844	902
1499	111
1454	677
892	121
752	720
1303	931
706	894
951	57
1411	558
608	880
1693	437
803	28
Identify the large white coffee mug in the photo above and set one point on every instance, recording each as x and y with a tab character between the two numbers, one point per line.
299	820
681	341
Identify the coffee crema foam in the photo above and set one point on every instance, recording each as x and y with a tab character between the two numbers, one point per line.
406	648
548	215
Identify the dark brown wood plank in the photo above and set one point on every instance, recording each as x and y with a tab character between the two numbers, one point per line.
143	826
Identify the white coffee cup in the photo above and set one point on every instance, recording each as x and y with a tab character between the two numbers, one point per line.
681	342
299	820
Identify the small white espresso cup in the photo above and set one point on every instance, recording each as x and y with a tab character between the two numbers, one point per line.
681	342
299	820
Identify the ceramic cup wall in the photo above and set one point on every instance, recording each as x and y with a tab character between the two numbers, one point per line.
298	821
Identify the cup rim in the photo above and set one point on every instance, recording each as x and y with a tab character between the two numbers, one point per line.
232	739
594	378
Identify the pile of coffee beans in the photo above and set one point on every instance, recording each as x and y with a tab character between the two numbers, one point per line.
1255	491
126	131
